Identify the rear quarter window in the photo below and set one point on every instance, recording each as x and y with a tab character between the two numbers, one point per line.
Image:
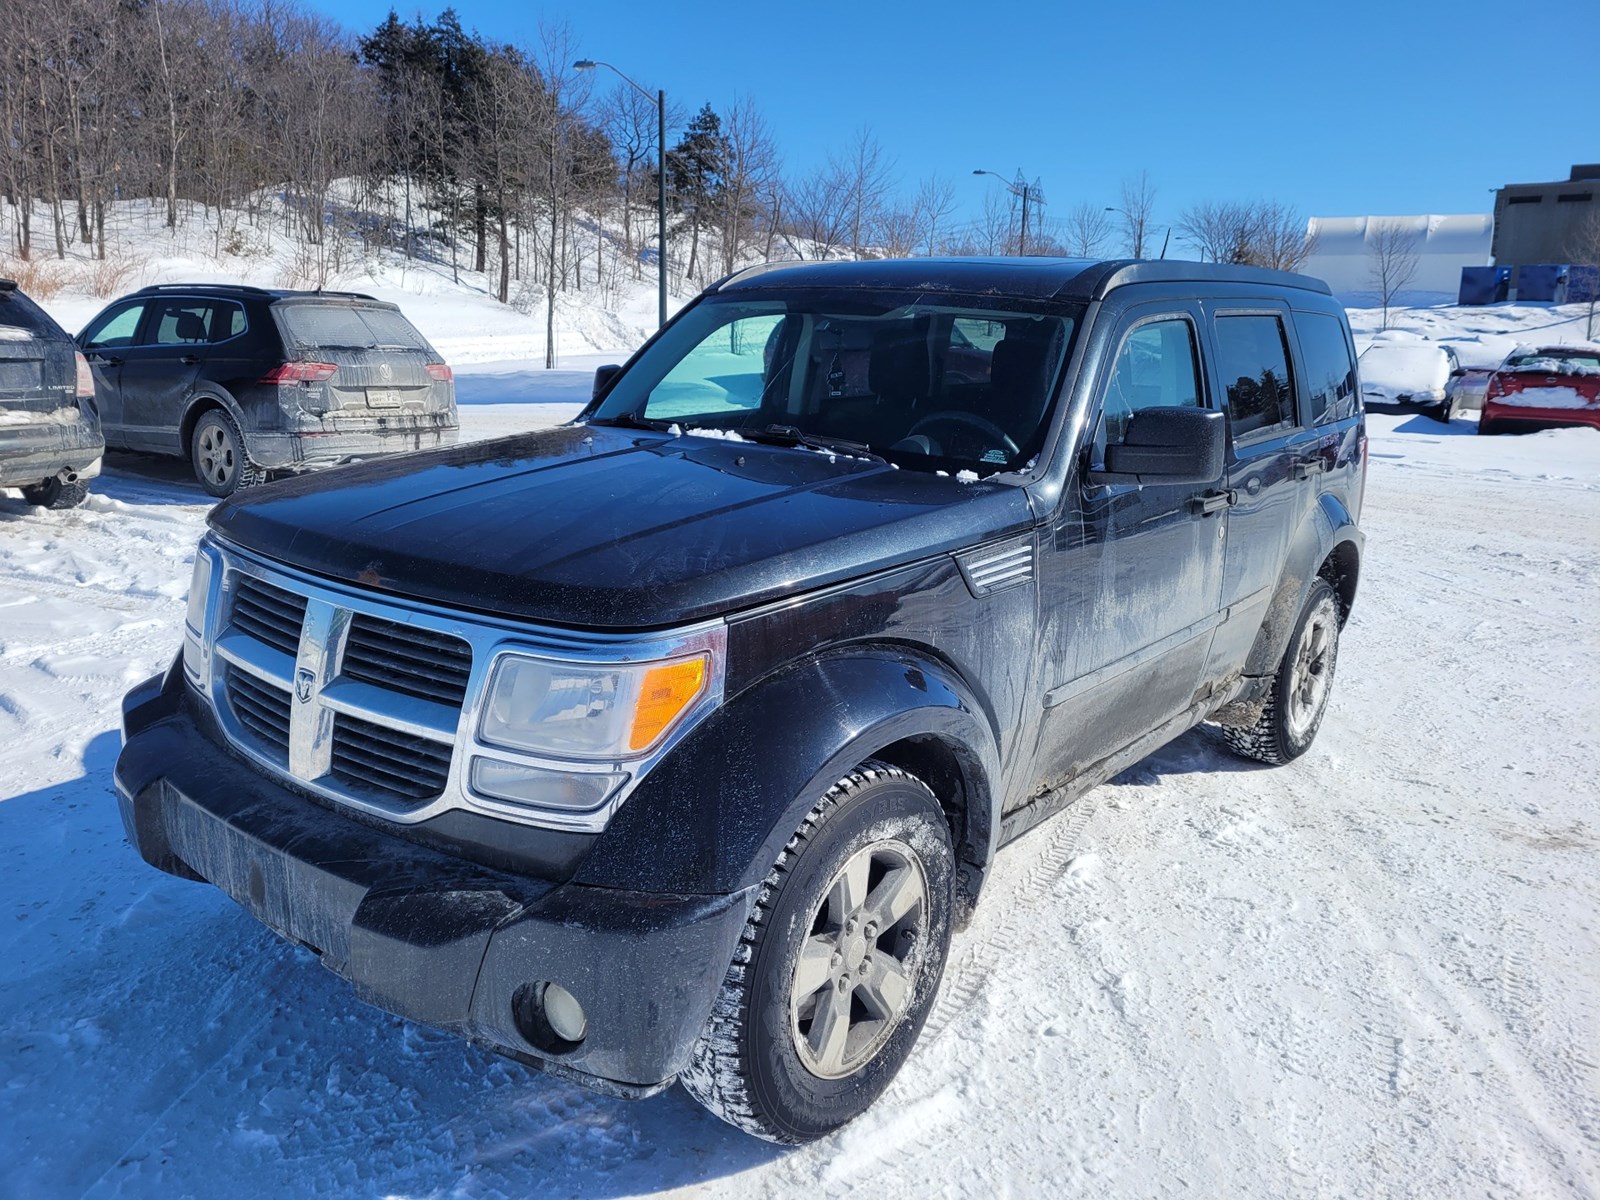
348	326
1330	381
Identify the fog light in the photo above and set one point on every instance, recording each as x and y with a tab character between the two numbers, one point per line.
538	787
564	1013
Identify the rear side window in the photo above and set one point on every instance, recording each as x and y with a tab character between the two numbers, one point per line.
180	322
347	327
1330	374
1253	360
227	320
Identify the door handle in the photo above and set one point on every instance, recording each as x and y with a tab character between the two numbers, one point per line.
1305	468
1210	502
189	360
109	360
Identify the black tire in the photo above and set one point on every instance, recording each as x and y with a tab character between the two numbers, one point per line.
1485	427
1441	412
747	1066
53	493
219	457
1290	718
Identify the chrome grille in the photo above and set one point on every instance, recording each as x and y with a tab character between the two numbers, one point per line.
369	758
269	614
347	701
262	709
406	659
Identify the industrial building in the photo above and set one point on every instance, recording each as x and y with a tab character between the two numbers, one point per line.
1443	245
1539	223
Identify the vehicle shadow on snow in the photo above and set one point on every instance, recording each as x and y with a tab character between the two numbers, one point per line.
1199	751
156	1040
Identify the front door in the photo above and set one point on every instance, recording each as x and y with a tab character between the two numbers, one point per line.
159	373
1131	580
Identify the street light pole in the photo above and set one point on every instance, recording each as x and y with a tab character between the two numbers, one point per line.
589	64
1019	187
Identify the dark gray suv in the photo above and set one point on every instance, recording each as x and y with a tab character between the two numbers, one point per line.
50	441
244	381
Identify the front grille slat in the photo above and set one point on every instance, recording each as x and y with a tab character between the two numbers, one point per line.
403	658
367	756
370	761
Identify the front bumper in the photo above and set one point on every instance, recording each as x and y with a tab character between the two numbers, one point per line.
418	932
38	452
332	445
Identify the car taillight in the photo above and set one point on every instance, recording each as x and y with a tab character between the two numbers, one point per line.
441	372
85	378
300	372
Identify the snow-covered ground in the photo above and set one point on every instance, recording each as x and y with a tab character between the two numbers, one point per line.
1373	972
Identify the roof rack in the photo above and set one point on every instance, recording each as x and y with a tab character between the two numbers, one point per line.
205	287
8	285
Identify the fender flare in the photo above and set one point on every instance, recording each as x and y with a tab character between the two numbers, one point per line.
712	816
1328	531
201	398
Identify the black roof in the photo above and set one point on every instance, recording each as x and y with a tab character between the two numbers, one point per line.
1027	278
241	289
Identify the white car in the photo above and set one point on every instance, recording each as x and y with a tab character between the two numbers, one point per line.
1409	372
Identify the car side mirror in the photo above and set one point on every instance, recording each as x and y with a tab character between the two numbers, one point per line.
602	379
1168	445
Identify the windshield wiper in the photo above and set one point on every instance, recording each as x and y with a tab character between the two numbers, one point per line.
630	420
788	435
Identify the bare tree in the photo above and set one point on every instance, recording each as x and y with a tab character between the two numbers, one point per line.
1264	233
1086	230
818	213
866	174
1138	209
1283	238
749	166
934	202
1393	260
1583	248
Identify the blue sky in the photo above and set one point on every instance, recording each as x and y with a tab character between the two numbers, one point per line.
1337	110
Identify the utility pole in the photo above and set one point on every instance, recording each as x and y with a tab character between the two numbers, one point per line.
1027	192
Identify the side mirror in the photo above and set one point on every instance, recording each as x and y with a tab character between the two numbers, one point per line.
1168	445
602	379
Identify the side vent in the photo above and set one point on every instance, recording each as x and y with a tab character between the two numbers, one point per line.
995	568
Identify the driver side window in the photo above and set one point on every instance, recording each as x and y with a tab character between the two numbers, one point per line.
115	329
725	373
1157	366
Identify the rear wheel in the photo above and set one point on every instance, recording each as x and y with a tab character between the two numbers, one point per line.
54	493
216	448
838	966
1298	697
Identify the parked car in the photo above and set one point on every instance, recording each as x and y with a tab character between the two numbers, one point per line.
244	381
1416	373
671	743
1468	388
50	440
1543	387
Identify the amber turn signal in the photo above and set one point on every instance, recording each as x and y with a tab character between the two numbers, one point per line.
667	690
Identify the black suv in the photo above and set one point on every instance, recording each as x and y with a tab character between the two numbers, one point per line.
50	441
244	381
671	743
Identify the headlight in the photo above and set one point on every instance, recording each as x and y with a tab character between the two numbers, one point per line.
194	621
583	711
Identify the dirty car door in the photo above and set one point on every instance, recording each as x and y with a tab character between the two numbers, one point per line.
1132	579
105	344
159	373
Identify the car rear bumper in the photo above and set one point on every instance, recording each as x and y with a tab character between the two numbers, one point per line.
418	932
33	453
1512	418
309	449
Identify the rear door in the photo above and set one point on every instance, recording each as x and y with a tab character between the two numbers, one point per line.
1131	578
1271	470
105	343
159	373
381	358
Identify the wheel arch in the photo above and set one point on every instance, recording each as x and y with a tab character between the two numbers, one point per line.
1327	545
202	402
713	816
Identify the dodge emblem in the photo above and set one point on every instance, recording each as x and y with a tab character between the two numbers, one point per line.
303	679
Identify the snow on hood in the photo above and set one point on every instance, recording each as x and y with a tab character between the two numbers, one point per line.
1404	369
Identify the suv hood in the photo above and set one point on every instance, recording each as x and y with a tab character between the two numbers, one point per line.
599	527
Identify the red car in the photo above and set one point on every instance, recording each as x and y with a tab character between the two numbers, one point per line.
1542	387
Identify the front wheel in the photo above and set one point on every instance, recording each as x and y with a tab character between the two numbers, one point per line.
1298	697
838	966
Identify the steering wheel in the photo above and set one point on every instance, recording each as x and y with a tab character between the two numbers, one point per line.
983	425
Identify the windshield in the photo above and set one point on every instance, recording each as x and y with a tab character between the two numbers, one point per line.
347	326
932	382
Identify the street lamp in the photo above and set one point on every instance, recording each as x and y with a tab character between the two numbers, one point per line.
1019	187
589	64
1139	250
